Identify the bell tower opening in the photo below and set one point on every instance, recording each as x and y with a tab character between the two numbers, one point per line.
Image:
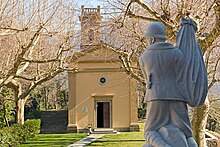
91	35
90	27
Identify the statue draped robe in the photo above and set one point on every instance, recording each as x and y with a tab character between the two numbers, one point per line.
192	80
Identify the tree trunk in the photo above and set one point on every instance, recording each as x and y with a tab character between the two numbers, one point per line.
20	103
199	119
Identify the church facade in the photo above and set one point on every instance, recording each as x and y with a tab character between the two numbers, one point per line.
101	94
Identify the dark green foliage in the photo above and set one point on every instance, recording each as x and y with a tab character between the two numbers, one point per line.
62	96
142	110
14	135
35	114
8	138
213	125
32	127
32	106
7	106
32	109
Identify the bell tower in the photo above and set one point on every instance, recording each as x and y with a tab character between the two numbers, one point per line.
90	27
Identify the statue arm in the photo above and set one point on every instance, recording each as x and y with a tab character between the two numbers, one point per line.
179	59
142	68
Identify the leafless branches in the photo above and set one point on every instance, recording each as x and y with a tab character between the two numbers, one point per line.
36	37
130	38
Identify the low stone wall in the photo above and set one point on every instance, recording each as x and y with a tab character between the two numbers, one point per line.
54	121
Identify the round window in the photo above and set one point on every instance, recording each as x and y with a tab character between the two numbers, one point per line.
103	80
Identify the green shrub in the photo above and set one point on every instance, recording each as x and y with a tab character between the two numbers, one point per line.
19	132
12	136
8	138
32	127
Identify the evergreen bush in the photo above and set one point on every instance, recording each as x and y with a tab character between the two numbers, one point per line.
8	138
32	127
12	136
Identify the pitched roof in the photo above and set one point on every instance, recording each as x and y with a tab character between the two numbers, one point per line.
91	49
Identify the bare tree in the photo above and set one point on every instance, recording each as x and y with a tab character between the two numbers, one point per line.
128	28
36	38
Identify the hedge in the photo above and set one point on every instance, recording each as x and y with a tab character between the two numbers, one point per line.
14	135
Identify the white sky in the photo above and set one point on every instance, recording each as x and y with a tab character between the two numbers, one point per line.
89	3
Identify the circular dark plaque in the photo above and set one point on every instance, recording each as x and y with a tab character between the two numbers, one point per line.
102	80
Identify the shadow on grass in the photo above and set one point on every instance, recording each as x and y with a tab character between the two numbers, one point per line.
45	143
53	140
48	143
111	142
102	141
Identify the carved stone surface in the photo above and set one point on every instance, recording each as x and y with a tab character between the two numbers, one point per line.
173	136
162	64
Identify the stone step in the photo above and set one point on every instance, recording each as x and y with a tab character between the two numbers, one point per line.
104	131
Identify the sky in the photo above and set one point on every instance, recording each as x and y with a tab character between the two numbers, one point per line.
89	3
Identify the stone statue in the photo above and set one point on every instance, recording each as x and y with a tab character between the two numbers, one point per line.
162	64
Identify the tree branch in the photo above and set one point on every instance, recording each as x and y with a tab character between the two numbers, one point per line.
157	16
214	100
131	14
215	33
33	85
25	78
126	62
40	61
14	70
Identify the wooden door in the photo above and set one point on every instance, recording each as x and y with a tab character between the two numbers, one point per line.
103	115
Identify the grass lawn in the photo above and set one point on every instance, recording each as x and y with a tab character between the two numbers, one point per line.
54	140
125	139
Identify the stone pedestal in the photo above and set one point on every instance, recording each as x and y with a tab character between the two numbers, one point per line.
72	128
134	127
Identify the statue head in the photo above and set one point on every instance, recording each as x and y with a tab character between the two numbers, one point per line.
156	31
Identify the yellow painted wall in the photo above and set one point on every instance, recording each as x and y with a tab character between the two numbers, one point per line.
84	89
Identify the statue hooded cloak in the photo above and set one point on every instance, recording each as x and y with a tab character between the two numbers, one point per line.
192	79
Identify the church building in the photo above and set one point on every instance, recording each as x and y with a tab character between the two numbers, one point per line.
101	94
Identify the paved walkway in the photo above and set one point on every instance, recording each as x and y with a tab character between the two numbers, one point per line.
87	140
